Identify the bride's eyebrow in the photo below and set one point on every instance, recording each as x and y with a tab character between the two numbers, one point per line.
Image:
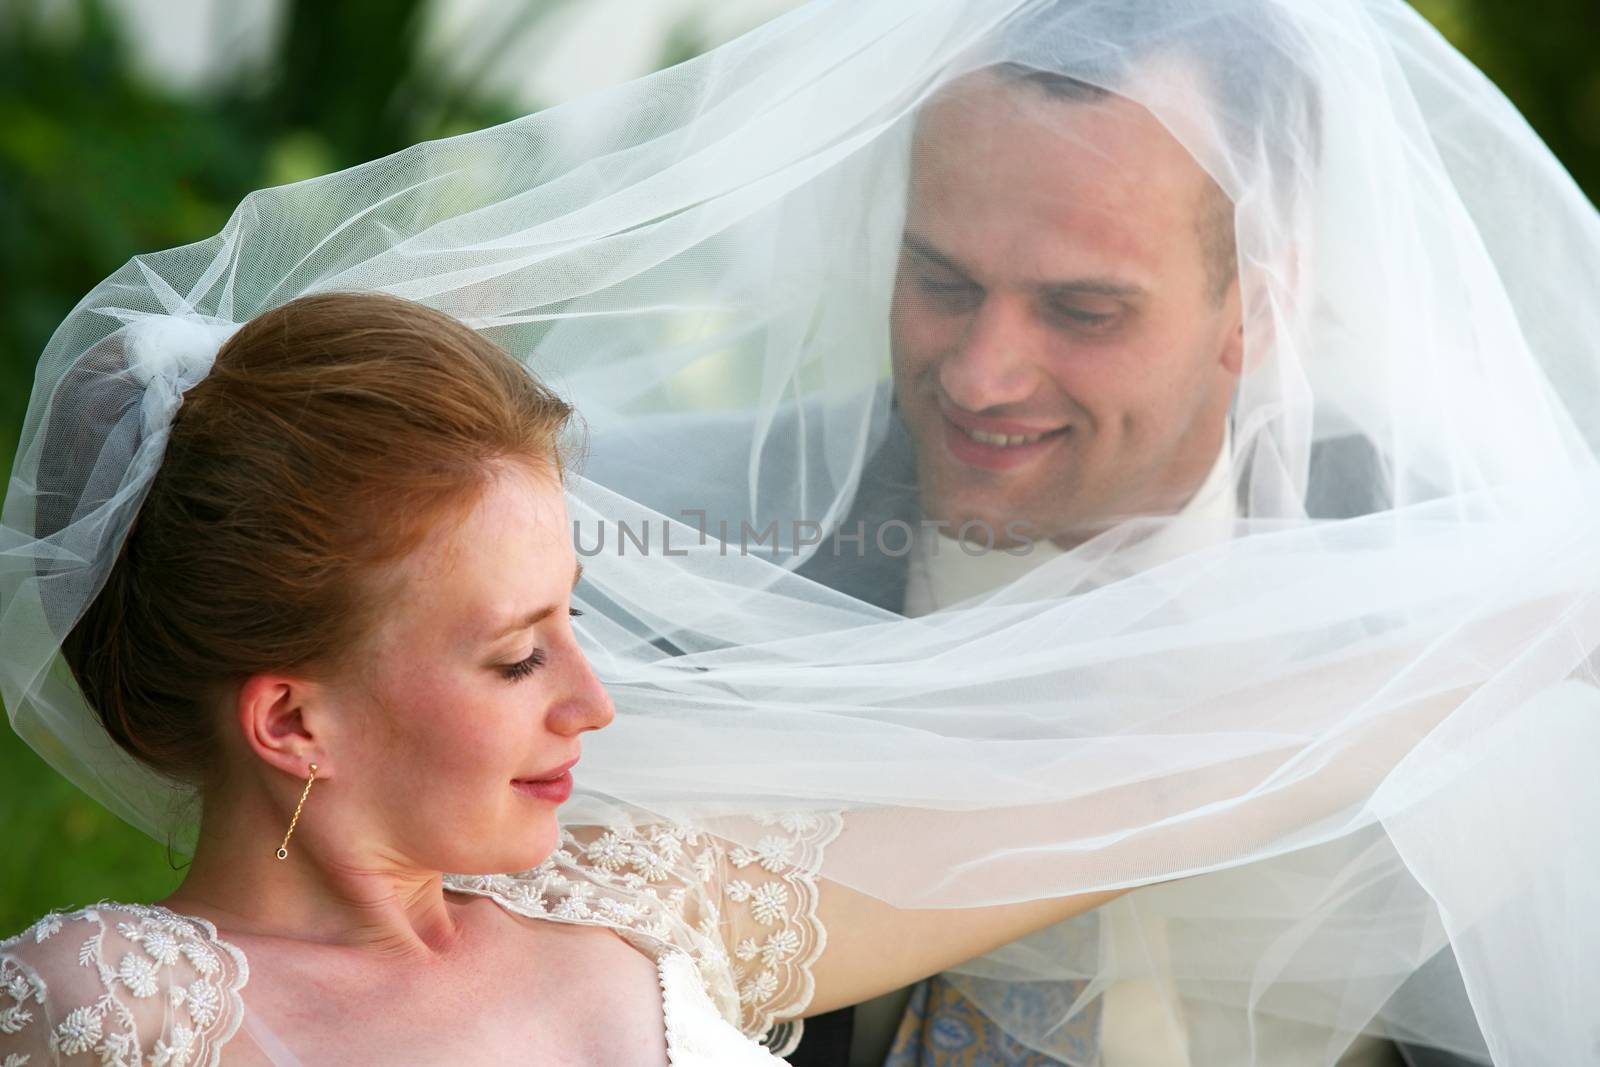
532	619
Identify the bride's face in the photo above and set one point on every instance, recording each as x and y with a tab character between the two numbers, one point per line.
474	692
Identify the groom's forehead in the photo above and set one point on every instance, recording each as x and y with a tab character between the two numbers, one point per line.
1039	137
1013	183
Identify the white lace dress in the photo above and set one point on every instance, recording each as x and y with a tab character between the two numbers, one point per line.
733	931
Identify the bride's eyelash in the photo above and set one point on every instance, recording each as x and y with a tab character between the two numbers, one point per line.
523	668
535	660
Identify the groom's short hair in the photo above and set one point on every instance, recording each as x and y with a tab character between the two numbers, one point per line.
1214	222
1254	66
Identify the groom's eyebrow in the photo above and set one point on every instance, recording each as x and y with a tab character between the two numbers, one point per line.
921	247
1086	286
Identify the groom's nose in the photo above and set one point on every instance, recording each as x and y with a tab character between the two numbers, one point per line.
992	364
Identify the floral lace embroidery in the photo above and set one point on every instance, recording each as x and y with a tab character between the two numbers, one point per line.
746	915
162	989
147	985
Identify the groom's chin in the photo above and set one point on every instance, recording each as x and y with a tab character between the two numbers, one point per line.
978	514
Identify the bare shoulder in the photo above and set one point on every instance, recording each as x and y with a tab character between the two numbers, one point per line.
601	991
516	990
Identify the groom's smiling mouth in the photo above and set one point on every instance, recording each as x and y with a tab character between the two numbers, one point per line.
997	444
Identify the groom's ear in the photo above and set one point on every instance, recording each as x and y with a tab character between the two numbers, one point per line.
1265	293
1232	354
279	718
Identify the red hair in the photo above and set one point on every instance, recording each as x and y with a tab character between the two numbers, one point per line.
331	435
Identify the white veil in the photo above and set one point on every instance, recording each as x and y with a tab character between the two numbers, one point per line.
1365	728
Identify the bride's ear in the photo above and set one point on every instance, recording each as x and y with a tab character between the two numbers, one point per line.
281	720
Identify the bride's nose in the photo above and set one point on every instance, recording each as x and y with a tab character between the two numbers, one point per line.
584	704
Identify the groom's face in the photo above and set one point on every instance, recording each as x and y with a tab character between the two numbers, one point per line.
1066	330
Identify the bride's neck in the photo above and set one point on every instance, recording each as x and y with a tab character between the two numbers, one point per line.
332	889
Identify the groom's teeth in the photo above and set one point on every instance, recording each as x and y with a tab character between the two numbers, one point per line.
1003	440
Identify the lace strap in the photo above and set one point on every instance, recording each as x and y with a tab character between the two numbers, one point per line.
744	914
772	928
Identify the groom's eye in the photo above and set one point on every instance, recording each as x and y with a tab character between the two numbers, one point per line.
950	293
1077	316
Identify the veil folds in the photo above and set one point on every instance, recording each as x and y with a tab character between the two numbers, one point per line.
1348	738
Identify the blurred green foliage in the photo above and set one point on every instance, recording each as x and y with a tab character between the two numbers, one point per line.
1545	56
97	165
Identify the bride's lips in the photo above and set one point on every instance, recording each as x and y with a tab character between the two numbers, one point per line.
554	787
996	444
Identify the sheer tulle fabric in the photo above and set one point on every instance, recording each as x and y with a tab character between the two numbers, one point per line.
1365	735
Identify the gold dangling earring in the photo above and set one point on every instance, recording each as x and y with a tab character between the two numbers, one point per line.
283	849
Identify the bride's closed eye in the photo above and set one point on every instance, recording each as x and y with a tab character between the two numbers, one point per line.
522	668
